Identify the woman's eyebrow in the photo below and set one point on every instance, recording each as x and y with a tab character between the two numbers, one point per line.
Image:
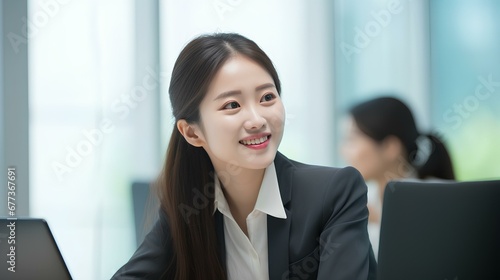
236	92
227	94
264	86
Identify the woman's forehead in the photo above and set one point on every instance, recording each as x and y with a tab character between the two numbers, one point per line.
238	73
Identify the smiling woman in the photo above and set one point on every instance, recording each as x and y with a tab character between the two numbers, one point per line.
241	104
233	207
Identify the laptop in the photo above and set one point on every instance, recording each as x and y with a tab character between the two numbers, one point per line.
28	251
445	231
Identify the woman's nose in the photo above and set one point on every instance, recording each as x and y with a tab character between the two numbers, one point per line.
255	120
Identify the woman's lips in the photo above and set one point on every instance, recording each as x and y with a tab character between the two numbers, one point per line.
256	143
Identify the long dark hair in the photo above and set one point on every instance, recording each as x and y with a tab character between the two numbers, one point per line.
387	116
186	183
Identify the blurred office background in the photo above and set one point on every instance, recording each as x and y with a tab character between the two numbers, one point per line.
85	110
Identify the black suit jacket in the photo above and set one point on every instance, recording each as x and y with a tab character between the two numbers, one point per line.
323	237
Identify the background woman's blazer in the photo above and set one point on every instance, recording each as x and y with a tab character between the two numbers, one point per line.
323	237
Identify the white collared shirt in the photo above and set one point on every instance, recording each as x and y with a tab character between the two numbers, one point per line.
247	257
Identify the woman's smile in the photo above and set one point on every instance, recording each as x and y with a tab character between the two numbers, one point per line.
257	142
242	101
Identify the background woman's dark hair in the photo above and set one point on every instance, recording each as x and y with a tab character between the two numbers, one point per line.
188	171
387	116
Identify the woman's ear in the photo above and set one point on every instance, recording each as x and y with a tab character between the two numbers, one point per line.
392	148
191	132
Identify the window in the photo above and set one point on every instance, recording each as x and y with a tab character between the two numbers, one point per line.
466	83
85	120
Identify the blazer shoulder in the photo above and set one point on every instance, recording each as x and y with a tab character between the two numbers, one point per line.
300	176
326	176
331	187
150	260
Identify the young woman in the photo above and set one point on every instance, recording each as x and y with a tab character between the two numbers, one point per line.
383	143
232	206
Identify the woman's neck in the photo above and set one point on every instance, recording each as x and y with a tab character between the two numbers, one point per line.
401	169
241	191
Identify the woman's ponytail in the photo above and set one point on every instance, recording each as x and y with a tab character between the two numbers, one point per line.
431	158
186	179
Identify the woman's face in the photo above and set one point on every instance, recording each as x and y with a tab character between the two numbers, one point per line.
241	116
362	152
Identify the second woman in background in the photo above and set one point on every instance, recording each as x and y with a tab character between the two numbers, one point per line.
384	144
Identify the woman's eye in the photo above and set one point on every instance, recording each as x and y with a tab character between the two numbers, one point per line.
232	105
268	97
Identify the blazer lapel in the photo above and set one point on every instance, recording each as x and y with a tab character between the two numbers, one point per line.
278	230
278	234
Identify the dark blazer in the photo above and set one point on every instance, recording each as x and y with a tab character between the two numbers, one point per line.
323	237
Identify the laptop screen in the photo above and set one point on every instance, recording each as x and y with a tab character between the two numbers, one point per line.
445	231
29	251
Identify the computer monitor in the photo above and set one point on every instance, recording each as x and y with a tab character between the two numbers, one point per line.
445	231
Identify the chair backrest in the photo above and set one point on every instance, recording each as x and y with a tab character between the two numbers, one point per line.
146	207
440	231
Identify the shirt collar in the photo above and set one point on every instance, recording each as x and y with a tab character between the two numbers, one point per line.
268	200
